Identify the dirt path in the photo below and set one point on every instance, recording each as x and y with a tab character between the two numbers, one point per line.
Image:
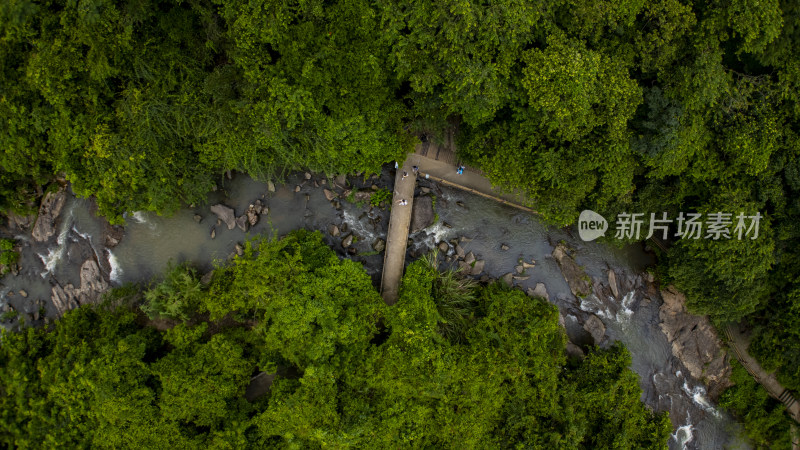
739	342
397	237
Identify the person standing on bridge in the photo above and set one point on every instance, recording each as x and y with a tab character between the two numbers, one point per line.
402	202
415	169
460	170
405	174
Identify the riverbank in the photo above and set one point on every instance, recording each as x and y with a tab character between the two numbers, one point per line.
499	236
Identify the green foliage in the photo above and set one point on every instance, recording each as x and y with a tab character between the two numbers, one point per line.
8	256
176	297
381	196
763	417
350	372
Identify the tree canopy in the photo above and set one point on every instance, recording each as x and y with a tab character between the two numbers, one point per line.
350	371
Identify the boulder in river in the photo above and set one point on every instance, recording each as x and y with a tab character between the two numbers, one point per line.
347	241
443	247
334	230
92	286
21	223
213	233
477	268
508	279
242	223
49	211
595	327
612	282
574	274
379	245
198	218
112	234
539	291
459	251
422	214
225	214
694	342
469	258
270	186
252	215
329	194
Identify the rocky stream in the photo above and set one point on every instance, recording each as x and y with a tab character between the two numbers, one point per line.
70	257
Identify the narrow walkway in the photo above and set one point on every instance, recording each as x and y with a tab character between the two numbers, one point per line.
394	257
440	163
739	342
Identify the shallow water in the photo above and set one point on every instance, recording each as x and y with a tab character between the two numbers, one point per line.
151	242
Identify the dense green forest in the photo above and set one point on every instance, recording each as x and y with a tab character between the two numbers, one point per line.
665	105
452	364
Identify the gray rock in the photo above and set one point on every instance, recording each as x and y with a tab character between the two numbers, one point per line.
242	223
22	223
334	230
379	245
341	181
422	214
347	241
308	176
469	258
225	214
477	268
206	279
612	282
49	212
459	251
465	239
213	233
297	188
446	225
508	279
574	274
270	186
464	268
362	196
504	247
594	326
92	286
443	247
694	342
573	351
530	265
259	385
252	215
239	249
198	218
519	269
329	194
425	190
23	294
539	291
521	278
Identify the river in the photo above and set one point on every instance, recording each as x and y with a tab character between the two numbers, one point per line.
151	242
